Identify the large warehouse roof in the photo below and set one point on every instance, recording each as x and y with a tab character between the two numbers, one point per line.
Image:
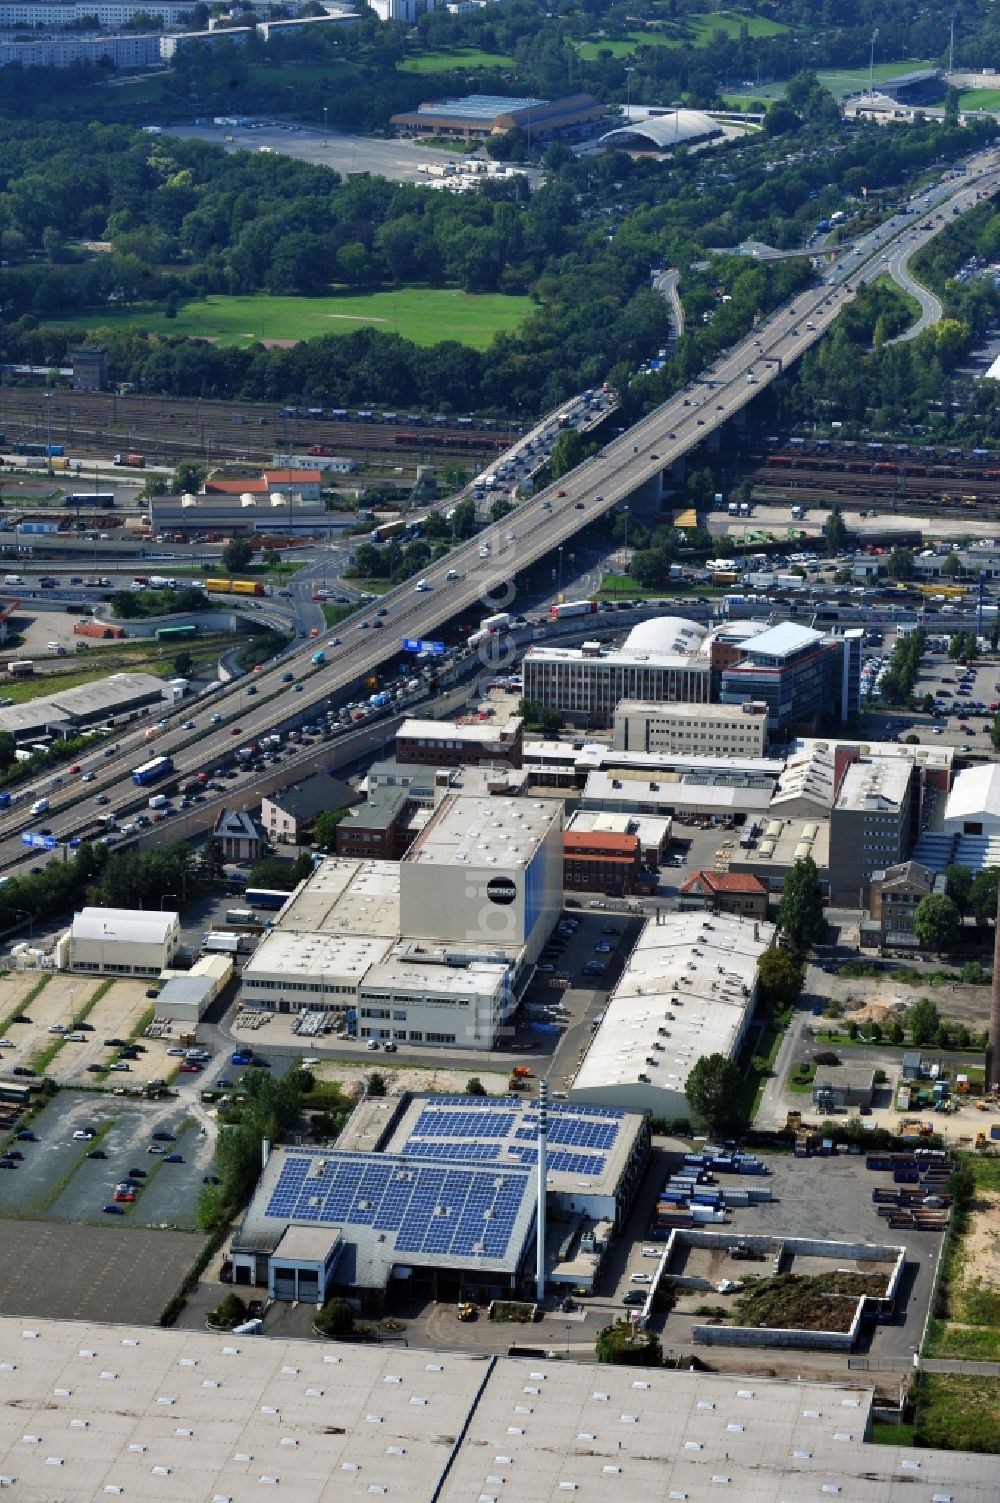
90	1411
679	128
132	926
975	795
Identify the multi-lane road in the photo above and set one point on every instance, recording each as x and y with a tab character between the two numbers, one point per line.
481	576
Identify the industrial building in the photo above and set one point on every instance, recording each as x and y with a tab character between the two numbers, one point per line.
187	995
568	765
476	117
802	675
451	743
661	661
434	949
973	806
698	730
250	508
871	826
776	844
115	699
434	1195
120	942
688	990
722	797
322	1421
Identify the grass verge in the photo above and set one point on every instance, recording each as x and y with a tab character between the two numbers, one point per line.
957	1413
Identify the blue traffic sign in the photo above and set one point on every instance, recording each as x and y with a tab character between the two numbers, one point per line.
426	649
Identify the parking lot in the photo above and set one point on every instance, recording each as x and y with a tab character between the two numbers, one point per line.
49	1044
56	1179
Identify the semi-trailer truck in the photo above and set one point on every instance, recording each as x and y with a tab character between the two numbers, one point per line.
572	608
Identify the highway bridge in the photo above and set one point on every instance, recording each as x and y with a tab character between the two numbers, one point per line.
481	576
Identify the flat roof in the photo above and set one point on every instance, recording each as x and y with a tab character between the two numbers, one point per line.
32	717
782	640
107	693
651	829
478	106
345	896
876	784
619	657
330	1421
345	958
595	755
588	1146
397	974
784	841
479	830
486	731
722	797
749	710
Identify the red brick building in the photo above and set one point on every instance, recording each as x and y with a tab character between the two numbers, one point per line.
594	862
447	743
728	892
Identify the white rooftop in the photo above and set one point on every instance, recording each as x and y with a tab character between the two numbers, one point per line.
782	641
478	830
975	794
486	731
345	896
749	710
134	926
666	634
880	784
340	958
671	792
398	975
683	994
689	655
93	1411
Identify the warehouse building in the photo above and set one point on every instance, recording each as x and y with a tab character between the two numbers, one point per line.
973	806
121	941
698	730
689	989
660	661
311	1419
568	765
774	845
429	1195
432	950
243	507
116	699
653	833
187	995
476	117
722	797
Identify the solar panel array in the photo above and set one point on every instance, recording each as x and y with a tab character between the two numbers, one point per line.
461	1212
455	1128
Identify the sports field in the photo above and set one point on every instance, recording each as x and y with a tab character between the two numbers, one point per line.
425	315
454	59
979	99
842	82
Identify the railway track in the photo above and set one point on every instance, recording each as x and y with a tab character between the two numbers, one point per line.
883	492
167	429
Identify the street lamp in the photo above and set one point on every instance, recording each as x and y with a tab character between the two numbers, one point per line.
559	585
164	898
871	68
628	94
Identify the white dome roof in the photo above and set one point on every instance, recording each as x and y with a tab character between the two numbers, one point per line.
664	131
665	634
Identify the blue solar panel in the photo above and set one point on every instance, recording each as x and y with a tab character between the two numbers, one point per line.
440	1209
453	1128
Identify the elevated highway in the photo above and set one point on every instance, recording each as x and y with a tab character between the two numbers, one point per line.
482	575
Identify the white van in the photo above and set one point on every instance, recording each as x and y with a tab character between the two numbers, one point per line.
158	801
40	806
14	579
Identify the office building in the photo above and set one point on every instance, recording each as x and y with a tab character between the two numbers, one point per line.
654	833
452	743
120	942
660	661
688	990
605	862
379	829
871	826
698	730
801	675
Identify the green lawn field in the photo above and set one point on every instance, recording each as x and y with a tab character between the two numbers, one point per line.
424	315
450	59
693	31
979	99
842	82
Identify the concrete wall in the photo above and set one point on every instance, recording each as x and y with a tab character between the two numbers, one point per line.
207	621
824	1341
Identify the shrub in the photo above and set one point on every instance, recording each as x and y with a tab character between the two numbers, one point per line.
336	1318
231	1312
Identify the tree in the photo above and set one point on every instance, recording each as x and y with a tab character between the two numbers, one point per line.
187	477
231	1312
212	861
937	922
800	912
336	1318
897	1034
983	894
236	555
779	979
271	872
958	885
325	828
712	1091
183	663
900	565
952	567
923	1021
474	1086
375	1084
835	531
8	747
301	868
622	1346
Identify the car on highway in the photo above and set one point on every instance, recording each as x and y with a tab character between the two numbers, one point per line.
235	730
113	1210
188	725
